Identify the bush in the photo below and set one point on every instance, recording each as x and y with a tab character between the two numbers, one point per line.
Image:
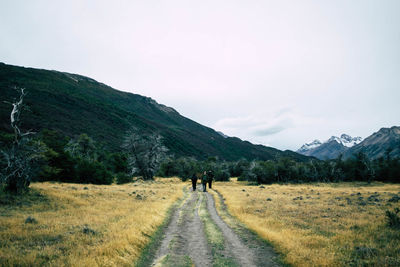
181	167
248	176
238	168
117	162
393	219
93	173
31	220
123	178
222	175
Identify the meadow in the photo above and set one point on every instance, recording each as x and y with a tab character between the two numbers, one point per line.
58	224
335	224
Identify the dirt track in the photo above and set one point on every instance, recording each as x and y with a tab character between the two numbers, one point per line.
186	241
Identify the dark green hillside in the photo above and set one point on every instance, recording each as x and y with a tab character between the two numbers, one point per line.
74	104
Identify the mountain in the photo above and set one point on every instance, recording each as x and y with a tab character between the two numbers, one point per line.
331	148
346	140
376	145
73	104
309	146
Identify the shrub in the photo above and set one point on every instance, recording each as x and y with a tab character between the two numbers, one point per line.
222	175
181	167
238	168
88	231
123	178
31	220
393	219
248	176
92	172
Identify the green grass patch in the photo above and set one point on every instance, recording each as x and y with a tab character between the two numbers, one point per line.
213	233
214	237
176	261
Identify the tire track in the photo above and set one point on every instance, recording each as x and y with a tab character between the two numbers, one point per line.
185	242
243	255
185	236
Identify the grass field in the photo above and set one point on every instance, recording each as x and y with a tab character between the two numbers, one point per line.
59	224
321	224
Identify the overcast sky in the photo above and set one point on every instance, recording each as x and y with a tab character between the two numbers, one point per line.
279	73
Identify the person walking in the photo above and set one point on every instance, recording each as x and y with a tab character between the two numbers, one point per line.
194	181
204	180
210	175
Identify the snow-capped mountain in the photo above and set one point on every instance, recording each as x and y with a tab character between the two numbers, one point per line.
385	142
309	146
330	148
346	140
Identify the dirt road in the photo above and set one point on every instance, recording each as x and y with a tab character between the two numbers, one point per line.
197	235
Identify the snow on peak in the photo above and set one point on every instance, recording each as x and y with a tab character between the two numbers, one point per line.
309	146
346	140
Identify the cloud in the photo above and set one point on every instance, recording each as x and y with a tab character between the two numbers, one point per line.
269	130
256	126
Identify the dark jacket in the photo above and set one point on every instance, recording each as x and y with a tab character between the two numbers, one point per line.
210	176
204	179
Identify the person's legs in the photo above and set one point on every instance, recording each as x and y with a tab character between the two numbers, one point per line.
194	185
204	187
209	184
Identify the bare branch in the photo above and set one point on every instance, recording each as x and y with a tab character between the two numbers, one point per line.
145	152
18	162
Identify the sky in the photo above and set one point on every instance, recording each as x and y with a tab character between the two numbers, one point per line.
278	73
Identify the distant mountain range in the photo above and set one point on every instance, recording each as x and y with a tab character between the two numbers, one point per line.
73	104
375	146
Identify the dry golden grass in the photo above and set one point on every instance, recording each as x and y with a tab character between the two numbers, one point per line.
321	224
122	217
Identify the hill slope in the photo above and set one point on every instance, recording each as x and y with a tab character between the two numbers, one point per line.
327	150
376	145
74	104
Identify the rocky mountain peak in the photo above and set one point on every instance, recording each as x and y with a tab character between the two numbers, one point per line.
346	140
331	148
308	146
374	146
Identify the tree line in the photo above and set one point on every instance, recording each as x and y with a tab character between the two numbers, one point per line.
51	156
55	157
357	168
286	170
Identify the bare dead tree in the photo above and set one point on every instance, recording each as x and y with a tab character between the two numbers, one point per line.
18	163
145	151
